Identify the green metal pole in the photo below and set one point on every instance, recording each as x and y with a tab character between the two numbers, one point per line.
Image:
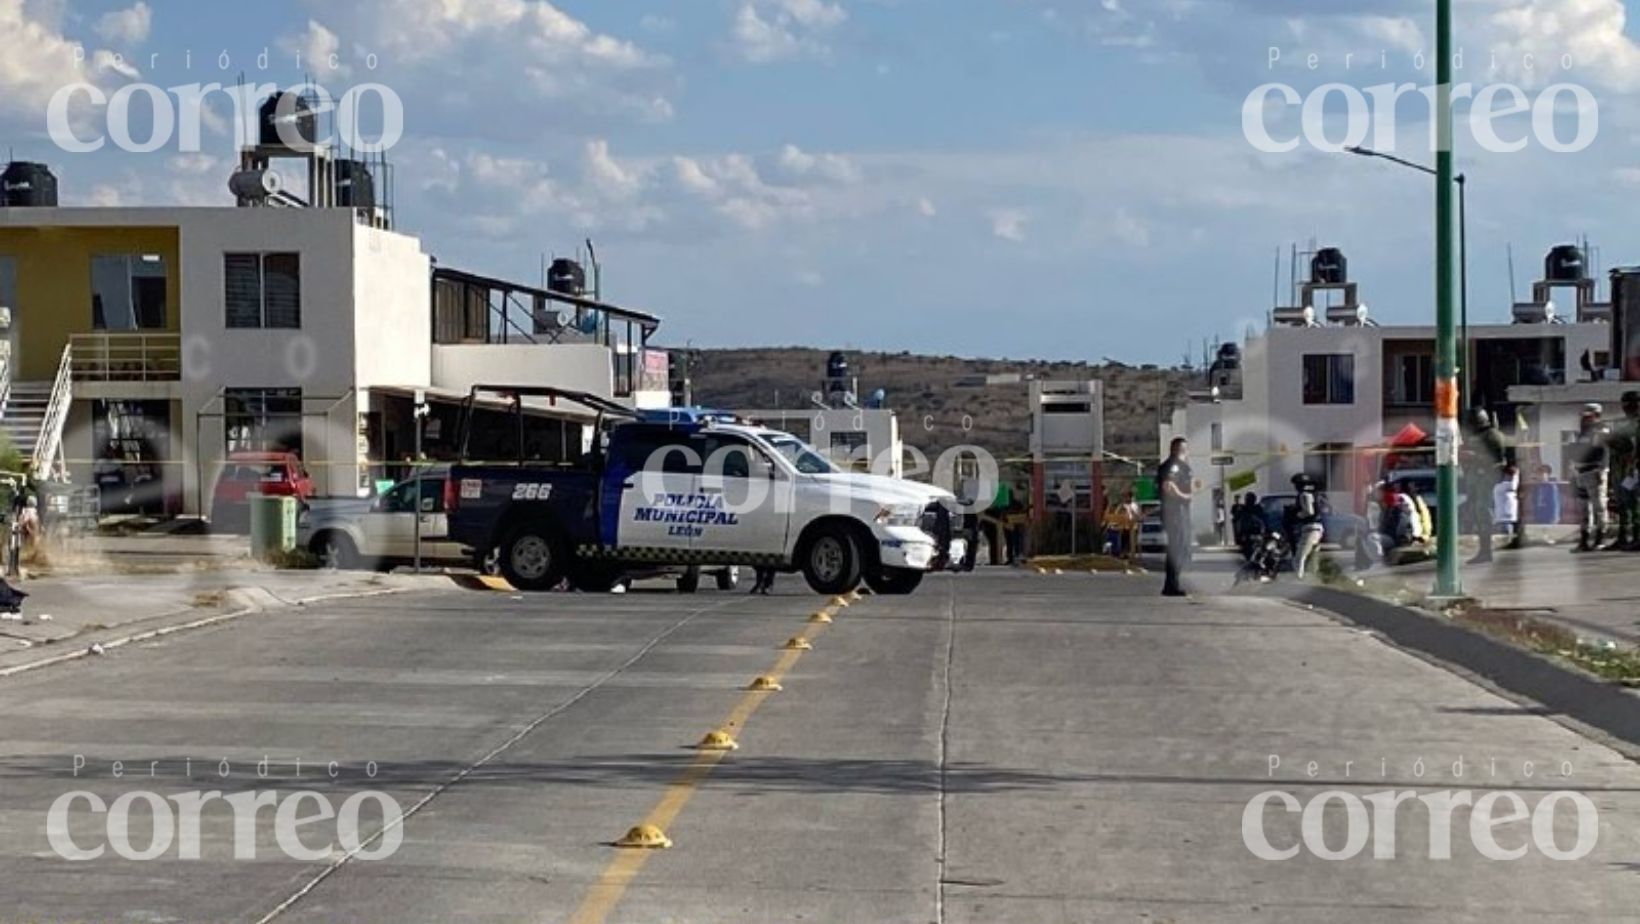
1448	580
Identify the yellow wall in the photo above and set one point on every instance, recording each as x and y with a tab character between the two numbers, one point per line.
54	285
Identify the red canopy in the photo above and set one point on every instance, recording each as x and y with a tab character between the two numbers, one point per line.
1411	436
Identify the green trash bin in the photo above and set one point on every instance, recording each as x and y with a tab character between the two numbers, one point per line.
273	524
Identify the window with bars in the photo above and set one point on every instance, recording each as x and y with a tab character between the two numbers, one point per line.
263	290
262	419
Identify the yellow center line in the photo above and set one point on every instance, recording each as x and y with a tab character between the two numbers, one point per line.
611	885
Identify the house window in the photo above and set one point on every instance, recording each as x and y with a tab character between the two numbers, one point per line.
263	290
1412	380
262	419
1329	464
128	292
1329	378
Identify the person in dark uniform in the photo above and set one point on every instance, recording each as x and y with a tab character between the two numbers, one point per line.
1173	483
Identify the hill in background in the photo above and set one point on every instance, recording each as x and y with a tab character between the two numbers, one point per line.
1136	399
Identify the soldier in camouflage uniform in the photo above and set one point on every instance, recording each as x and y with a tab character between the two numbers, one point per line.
1486	452
1625	474
1591	455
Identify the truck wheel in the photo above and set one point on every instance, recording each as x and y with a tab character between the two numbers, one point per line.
689	580
894	582
728	578
336	551
831	561
533	558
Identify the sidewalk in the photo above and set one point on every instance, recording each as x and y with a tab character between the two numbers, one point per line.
142	553
1594	595
70	613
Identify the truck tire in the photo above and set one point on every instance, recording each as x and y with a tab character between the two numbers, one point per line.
689	580
728	578
335	550
894	582
534	558
831	560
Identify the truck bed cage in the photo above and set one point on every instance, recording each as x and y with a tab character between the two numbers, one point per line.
514	395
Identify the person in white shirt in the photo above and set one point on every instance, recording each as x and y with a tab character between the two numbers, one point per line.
1506	503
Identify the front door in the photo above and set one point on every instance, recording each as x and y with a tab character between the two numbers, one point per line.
752	495
390	528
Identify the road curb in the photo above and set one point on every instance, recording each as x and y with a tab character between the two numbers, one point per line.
1608	710
250	600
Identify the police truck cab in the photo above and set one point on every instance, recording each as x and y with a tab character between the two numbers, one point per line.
681	487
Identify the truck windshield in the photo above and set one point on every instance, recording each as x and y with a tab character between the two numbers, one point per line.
801	455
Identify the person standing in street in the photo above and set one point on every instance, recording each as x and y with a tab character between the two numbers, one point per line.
1625	474
1591	456
764	585
1486	453
1173	482
1307	523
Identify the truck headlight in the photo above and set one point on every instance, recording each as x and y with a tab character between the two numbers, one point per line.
900	515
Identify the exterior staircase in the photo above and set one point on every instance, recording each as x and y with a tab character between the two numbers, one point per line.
34	414
25	415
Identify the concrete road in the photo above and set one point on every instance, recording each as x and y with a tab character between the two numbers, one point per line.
998	748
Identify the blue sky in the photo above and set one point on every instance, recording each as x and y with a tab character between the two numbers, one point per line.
1063	179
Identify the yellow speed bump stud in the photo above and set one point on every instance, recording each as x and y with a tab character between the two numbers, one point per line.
766	685
840	602
719	740
821	617
798	643
645	837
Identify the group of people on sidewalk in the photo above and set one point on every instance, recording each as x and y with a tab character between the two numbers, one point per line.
1604	463
1606	468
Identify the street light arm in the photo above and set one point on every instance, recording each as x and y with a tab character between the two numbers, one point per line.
1369	152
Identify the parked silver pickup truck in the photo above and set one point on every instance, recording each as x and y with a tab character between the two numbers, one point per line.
380	533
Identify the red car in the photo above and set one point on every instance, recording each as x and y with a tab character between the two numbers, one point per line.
246	473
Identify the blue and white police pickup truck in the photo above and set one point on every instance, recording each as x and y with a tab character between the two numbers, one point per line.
681	488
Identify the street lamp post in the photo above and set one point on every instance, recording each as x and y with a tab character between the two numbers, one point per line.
1448	394
1448	579
1462	179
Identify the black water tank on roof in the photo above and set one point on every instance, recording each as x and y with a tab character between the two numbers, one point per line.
1565	264
837	366
295	114
25	184
567	276
1329	267
355	187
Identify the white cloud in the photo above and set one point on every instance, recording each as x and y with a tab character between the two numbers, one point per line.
525	64
316	47
765	31
1129	230
40	59
1593	32
128	27
1009	224
680	196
